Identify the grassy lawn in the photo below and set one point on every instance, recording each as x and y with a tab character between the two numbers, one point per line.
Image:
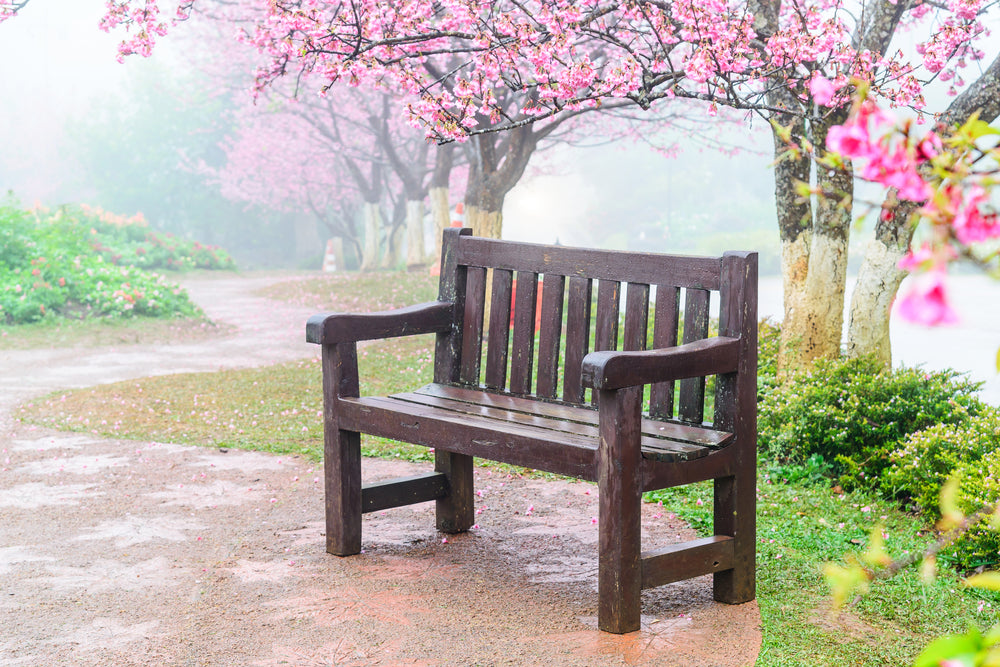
95	332
801	525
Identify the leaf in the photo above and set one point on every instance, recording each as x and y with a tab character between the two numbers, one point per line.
845	581
876	555
951	516
928	569
988	580
980	128
956	649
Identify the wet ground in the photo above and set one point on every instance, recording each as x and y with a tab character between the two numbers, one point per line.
145	553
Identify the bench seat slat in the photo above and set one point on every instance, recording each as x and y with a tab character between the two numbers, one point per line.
675	451
661	429
516	444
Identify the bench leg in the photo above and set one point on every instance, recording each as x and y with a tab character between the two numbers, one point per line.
620	487
456	511
342	467
735	514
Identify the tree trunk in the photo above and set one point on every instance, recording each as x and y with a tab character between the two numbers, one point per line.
484	222
415	255
441	214
394	243
373	224
827	278
794	226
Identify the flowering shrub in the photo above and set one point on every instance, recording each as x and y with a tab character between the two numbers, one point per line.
969	449
130	242
855	413
48	268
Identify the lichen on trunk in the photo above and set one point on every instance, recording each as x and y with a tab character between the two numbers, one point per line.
415	233
372	223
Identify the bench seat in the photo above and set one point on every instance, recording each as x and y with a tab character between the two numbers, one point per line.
549	436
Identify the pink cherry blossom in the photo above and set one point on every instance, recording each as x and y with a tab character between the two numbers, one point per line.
926	301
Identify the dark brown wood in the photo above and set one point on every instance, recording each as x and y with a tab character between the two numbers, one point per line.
686	433
341	452
636	317
472	325
549	335
661	394
619	479
613	445
475	436
577	338
613	370
523	340
654	441
606	333
456	511
496	350
677	562
683	271
403	491
736	396
606	320
451	288
691	402
433	317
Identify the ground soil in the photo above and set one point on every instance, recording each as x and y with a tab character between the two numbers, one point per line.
146	553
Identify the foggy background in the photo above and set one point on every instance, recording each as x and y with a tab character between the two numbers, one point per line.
76	126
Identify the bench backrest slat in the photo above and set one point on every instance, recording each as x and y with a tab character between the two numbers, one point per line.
472	325
577	337
496	350
636	316
691	400
682	271
523	340
571	316
665	318
550	335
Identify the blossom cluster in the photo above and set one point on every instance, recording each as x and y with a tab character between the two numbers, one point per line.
469	65
951	176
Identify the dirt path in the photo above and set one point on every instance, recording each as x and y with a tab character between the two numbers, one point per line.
143	553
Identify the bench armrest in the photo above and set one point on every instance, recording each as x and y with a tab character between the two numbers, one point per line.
616	370
431	317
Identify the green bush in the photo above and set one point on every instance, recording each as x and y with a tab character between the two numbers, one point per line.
130	242
854	413
48	268
925	461
927	458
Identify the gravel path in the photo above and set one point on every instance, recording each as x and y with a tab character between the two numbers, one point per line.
144	553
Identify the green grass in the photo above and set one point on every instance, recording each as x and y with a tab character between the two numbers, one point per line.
799	528
801	525
99	331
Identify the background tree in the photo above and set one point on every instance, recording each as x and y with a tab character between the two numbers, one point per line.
779	60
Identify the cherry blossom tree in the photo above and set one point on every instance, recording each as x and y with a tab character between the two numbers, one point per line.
472	68
788	62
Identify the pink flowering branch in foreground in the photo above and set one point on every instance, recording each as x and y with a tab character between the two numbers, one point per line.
950	174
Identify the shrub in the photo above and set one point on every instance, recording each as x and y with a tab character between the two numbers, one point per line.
854	413
927	458
48	268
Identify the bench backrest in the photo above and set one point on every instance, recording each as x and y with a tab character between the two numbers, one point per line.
572	323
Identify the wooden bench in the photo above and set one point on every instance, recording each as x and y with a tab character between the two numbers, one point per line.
568	407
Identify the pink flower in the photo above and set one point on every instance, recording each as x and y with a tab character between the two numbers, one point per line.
822	90
926	302
850	140
970	225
